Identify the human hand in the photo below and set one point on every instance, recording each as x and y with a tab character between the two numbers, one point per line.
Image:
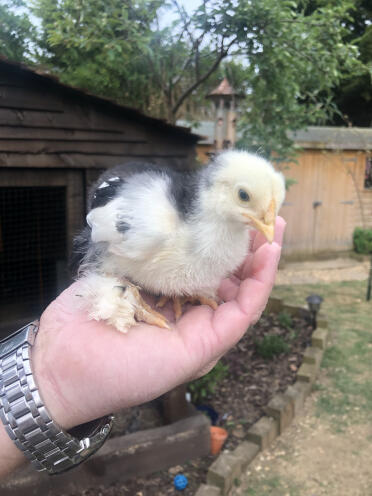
86	369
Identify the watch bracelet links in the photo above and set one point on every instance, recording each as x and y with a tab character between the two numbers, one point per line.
27	420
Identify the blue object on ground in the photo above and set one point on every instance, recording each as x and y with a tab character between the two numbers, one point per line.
180	482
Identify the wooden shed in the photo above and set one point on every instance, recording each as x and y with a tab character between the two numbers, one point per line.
333	190
54	142
333	194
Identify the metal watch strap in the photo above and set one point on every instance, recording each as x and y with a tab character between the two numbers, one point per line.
26	418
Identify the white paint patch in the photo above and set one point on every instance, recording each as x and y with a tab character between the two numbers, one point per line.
116	178
103	185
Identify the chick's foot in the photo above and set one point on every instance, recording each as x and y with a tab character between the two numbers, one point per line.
116	301
177	305
202	300
143	311
179	301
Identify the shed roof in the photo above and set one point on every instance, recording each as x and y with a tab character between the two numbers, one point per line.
127	112
334	138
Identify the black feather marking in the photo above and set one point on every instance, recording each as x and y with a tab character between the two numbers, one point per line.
183	185
103	195
122	226
184	191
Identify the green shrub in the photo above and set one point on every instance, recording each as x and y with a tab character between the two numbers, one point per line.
271	345
362	239
205	386
285	320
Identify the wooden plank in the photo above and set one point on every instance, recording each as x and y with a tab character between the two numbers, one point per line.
88	161
23	104
76	121
119	459
59	133
86	147
32	97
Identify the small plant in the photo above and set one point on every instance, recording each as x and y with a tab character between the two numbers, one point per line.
205	386
362	239
285	320
271	345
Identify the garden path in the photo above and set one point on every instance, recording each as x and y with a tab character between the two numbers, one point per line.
316	271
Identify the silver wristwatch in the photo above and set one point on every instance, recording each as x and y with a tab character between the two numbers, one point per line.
26	418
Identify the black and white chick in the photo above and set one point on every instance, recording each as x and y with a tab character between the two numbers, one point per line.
175	235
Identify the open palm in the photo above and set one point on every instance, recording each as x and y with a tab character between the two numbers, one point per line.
86	369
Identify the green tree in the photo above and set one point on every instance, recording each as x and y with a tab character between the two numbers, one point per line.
353	96
99	45
286	56
16	30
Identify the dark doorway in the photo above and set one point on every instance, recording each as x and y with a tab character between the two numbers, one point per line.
33	251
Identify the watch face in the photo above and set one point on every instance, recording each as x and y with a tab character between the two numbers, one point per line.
15	340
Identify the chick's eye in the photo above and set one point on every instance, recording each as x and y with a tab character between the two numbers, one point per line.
243	195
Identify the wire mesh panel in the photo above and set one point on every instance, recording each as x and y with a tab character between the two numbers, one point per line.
32	249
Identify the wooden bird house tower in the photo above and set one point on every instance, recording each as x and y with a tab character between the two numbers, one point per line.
225	101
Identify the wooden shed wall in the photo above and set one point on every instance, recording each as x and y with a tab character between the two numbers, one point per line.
45	125
327	202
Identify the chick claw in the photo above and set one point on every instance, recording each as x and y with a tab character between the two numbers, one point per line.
203	300
179	301
143	311
177	305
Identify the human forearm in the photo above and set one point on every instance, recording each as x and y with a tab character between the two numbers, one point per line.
10	456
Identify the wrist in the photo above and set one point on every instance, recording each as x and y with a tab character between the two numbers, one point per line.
50	381
10	456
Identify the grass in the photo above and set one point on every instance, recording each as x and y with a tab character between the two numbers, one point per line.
272	485
347	395
344	392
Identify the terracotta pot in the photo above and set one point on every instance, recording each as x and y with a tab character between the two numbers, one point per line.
218	437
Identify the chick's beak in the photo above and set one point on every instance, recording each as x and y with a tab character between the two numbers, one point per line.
267	225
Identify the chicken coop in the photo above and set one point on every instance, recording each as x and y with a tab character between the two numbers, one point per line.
55	140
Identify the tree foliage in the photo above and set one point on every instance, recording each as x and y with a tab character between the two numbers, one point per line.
16	30
287	56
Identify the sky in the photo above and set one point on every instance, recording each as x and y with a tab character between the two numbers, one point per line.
190	6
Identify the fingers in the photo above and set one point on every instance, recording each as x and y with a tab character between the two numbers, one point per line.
229	289
231	319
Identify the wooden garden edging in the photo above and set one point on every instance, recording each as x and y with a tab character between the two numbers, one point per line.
280	410
120	458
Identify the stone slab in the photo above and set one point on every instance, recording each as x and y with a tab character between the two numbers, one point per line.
313	356
274	305
281	407
224	471
319	338
263	432
306	373
321	320
298	392
247	452
207	490
296	311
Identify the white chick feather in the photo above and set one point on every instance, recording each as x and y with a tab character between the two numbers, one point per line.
172	234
